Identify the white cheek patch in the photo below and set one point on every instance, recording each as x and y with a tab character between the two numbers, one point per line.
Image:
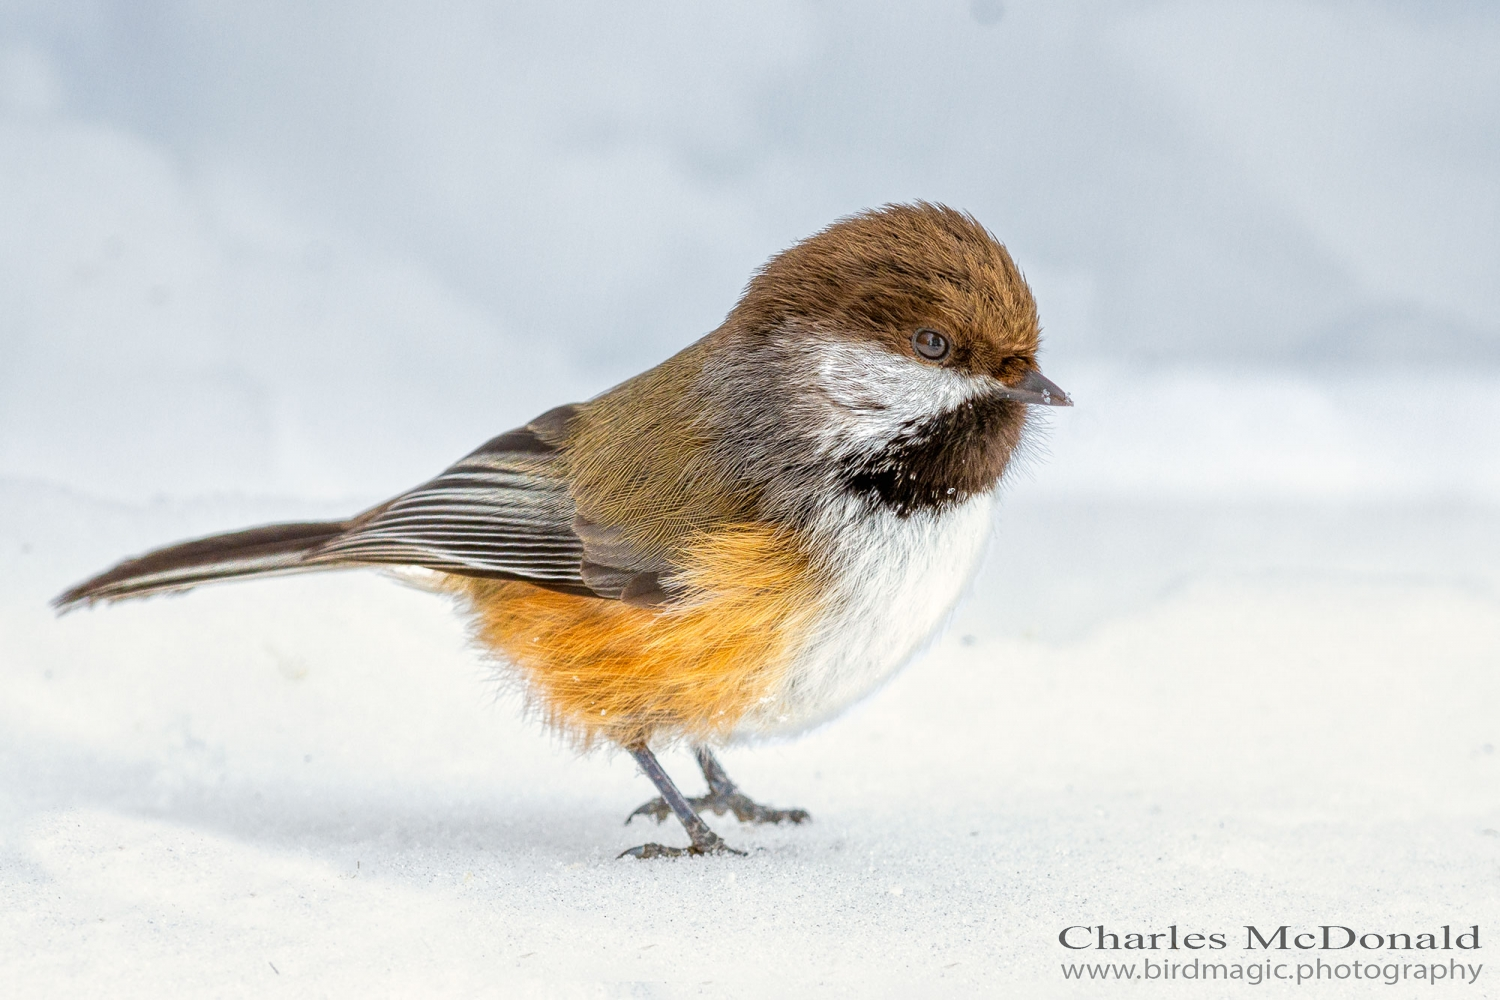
871	394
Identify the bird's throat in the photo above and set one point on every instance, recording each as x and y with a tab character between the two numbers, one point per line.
942	460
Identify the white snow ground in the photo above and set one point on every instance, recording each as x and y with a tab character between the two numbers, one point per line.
1154	710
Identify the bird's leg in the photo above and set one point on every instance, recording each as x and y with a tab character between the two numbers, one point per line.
705	841
723	796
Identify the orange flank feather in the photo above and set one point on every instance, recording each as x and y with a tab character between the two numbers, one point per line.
605	670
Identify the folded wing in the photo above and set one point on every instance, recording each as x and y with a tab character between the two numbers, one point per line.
503	511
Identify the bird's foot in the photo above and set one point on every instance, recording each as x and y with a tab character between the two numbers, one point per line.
711	844
745	809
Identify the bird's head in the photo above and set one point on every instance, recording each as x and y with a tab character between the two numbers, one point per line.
917	289
912	337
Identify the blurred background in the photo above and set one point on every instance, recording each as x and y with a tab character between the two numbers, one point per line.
317	251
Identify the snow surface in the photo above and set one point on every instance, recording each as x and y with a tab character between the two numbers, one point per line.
1148	714
1234	658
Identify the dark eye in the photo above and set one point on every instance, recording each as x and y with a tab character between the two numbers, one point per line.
930	344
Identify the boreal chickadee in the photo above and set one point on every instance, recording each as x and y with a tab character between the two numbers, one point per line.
739	542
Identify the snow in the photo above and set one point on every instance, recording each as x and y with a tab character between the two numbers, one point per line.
1231	660
313	784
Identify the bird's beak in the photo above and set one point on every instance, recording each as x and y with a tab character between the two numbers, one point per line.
1035	388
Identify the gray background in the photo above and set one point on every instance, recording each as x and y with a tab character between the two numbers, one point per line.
321	249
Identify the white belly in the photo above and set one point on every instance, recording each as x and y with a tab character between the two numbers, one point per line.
895	581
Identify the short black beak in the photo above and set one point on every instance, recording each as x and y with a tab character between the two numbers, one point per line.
1036	388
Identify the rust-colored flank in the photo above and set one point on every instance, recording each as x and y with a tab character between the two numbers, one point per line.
604	670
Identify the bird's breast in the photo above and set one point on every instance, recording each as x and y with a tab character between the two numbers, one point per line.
890	579
778	630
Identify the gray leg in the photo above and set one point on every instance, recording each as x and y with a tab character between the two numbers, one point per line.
723	796
705	841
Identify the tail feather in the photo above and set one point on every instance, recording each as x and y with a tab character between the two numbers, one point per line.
273	549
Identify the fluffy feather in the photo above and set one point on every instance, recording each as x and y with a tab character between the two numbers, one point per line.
607	671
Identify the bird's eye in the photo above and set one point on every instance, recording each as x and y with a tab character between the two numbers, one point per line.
930	344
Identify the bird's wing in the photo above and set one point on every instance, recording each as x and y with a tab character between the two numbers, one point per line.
612	567
504	511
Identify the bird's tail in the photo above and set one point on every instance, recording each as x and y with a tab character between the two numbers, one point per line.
267	551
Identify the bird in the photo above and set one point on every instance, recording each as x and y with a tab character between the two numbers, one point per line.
736	544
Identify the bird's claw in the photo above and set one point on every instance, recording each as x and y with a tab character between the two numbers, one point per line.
658	810
745	809
712	844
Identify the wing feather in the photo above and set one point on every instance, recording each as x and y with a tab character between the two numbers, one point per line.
506	510
502	511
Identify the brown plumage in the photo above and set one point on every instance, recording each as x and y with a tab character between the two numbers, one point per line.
740	540
882	275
